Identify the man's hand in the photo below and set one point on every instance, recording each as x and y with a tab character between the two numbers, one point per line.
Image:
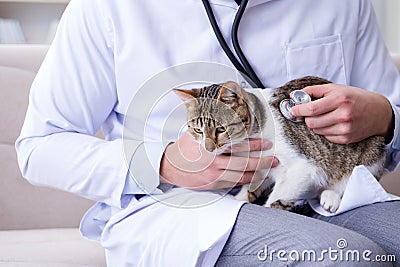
187	164
345	114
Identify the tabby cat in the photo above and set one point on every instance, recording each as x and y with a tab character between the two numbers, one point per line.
309	166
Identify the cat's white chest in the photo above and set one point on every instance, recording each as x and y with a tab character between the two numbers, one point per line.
296	175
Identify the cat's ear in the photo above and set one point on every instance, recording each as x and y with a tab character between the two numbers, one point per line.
187	96
231	93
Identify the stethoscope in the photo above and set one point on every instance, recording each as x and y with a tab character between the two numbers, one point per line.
243	65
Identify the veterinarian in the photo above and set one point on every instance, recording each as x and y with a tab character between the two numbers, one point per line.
105	51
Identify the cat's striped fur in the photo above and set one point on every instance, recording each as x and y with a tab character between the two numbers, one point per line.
224	114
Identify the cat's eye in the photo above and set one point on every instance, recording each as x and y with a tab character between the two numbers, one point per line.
220	129
198	130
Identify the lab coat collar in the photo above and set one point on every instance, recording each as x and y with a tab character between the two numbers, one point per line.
232	3
256	2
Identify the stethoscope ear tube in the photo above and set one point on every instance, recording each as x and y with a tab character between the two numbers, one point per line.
246	68
235	41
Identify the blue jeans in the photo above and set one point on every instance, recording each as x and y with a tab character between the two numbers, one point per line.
366	236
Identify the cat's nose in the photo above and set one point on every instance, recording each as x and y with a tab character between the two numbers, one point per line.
209	145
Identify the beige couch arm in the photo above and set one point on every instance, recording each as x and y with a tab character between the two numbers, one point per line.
396	59
24	206
391	181
51	217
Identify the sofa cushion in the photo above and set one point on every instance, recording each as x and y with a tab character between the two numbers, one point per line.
26	57
50	247
18	67
24	206
396	60
14	84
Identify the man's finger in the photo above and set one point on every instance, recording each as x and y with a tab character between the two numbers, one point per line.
235	163
324	103
322	121
318	91
234	178
250	145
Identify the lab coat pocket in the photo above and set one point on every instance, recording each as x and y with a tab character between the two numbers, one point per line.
321	57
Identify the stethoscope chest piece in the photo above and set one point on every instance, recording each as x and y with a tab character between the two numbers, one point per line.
296	97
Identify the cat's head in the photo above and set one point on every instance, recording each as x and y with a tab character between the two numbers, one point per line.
218	115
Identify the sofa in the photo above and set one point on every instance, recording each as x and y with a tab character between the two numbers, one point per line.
39	226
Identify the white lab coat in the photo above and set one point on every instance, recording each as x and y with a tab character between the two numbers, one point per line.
102	56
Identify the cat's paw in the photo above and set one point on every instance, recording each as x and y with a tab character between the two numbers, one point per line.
253	197
258	197
330	200
283	204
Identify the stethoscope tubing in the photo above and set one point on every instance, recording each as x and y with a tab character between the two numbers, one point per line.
236	45
297	97
243	65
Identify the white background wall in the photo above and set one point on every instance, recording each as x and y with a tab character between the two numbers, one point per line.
388	13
